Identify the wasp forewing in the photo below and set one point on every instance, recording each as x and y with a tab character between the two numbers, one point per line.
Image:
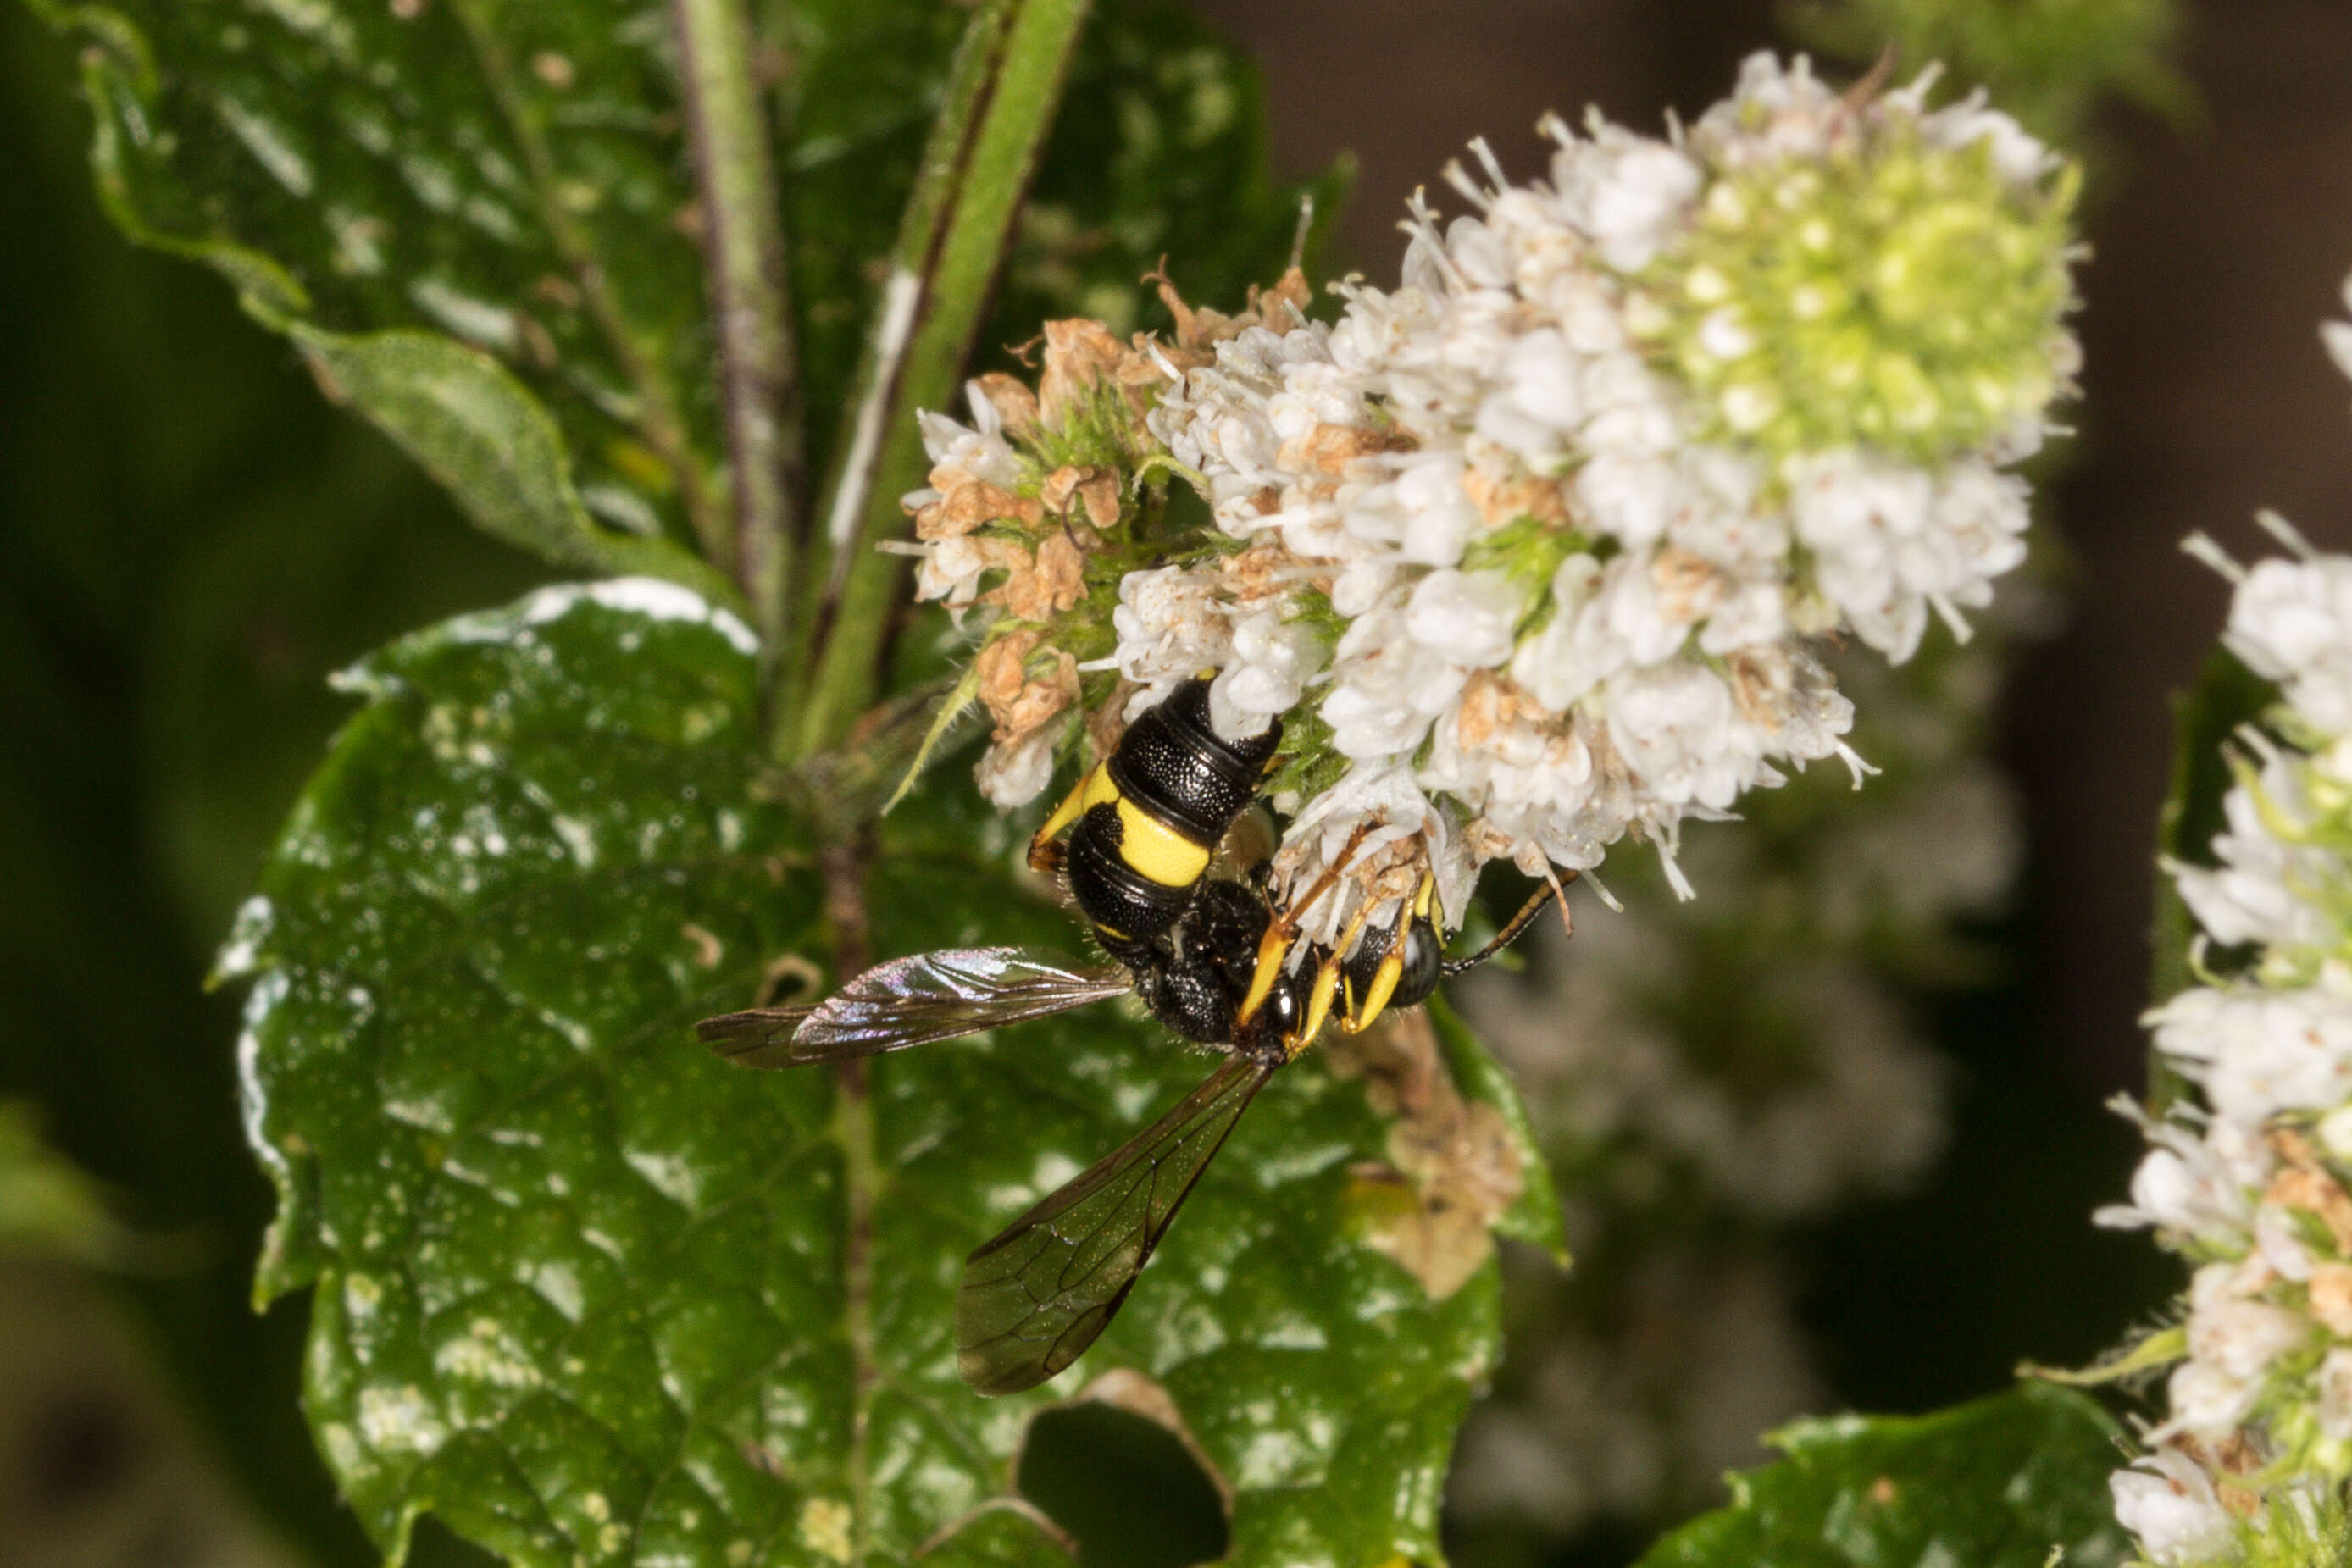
911	1002
914	1001
762	1037
1032	1299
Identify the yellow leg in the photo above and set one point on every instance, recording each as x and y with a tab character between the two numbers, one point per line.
1330	979
1073	804
1284	930
1271	951
1363	1014
1424	899
1360	1013
1318	1007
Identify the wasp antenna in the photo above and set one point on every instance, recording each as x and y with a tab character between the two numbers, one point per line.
1511	928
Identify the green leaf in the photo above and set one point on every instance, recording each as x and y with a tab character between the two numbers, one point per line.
587	1293
2048	62
508	178
46	1204
1999	1483
1536	1216
2227	695
479	432
505	191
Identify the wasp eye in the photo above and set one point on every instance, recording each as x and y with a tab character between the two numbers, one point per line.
1423	963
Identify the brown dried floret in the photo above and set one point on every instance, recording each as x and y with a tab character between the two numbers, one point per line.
1452	1168
1092	487
1689	587
1082	355
1331	448
1015	404
1501	501
1052	580
1001	670
2307	1185
1199	331
1264	571
966	503
2331	1297
1044	698
1492	703
1018	704
1761	679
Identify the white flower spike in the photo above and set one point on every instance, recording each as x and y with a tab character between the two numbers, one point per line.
2246	1178
1536	547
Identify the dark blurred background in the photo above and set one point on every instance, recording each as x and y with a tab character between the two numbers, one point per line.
192	541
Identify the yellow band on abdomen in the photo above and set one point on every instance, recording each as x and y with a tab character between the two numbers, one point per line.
1152	849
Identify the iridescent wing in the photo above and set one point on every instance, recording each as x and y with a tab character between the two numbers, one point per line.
761	1037
1034	1297
913	1000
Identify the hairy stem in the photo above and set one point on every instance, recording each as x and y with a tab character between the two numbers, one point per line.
844	867
750	299
1001	94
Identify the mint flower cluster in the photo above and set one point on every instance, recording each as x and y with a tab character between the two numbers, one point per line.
1534	551
2247	1180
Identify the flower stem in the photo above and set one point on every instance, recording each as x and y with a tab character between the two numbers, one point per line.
844	867
750	301
1001	97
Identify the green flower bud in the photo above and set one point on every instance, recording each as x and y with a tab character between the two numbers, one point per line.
1896	295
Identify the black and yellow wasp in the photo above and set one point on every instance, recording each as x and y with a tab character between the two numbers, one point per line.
1209	957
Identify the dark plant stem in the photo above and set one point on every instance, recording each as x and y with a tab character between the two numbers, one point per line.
743	248
1000	98
843	868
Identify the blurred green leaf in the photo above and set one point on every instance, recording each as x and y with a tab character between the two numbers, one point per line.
1159	154
1999	1483
478	222
502	182
479	432
2047	62
2226	696
192	540
1534	1217
46	1204
584	1292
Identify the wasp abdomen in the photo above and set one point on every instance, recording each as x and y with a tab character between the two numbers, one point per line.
1150	817
1123	899
1173	764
